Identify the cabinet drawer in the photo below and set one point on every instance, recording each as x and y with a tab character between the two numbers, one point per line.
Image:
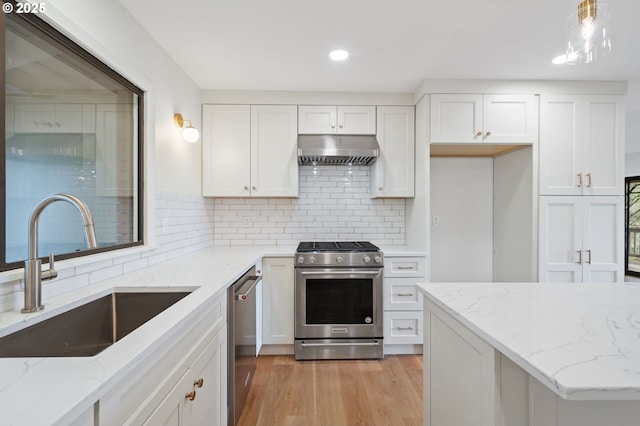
401	294
403	327
404	266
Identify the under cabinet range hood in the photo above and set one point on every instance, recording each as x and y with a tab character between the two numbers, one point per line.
337	149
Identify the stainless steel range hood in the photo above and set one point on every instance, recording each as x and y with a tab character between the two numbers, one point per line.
337	149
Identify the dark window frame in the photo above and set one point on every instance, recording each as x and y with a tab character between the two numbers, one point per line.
64	43
627	182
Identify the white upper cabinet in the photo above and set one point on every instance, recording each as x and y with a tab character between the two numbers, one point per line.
581	239
581	145
274	150
54	118
392	175
250	151
473	118
226	152
345	120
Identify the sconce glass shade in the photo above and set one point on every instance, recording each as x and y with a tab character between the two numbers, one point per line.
190	134
589	32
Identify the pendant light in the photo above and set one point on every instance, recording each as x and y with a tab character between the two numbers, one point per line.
589	32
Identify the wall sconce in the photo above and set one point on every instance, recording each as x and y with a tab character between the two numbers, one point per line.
189	133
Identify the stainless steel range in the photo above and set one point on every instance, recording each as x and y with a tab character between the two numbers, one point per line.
338	301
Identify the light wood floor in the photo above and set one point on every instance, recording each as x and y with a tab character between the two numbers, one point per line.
334	393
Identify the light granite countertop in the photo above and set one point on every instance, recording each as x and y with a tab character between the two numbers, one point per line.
580	340
39	391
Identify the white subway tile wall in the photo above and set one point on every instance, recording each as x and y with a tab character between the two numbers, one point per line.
334	204
184	223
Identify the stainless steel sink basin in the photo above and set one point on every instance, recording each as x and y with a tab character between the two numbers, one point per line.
88	329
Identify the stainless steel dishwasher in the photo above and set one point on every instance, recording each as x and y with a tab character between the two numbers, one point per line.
242	354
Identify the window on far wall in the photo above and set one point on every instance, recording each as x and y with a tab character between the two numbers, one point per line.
72	125
632	226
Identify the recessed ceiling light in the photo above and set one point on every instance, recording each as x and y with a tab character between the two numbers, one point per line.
338	55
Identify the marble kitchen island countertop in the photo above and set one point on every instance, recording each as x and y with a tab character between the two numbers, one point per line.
582	341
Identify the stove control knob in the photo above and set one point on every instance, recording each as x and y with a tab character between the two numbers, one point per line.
312	259
366	259
377	259
300	259
339	259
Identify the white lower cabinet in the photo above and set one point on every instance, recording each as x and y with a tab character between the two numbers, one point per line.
402	304
581	239
182	382
277	305
195	399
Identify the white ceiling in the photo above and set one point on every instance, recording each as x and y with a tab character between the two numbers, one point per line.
394	44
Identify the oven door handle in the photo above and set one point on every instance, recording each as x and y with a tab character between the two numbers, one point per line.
376	343
350	272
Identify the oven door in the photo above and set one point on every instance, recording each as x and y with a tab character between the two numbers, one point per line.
338	303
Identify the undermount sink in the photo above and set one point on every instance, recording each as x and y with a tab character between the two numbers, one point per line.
90	328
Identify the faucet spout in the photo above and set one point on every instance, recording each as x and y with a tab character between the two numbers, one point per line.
33	273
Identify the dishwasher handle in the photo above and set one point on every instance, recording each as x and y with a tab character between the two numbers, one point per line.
247	287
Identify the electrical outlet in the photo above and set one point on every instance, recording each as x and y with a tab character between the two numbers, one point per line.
435	221
246	222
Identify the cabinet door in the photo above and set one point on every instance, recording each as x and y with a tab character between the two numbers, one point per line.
199	397
393	172
357	120
560	145
68	118
317	119
226	154
460	373
277	301
560	245
114	127
456	118
603	145
274	155
510	119
603	239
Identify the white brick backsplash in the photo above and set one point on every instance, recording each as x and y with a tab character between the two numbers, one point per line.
334	204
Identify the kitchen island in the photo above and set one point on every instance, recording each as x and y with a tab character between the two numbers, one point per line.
531	354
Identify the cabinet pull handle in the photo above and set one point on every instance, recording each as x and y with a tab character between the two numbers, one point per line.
579	180
405	268
253	188
405	328
479	134
341	125
488	134
191	395
333	126
405	294
589	261
588	180
380	188
246	188
199	382
579	257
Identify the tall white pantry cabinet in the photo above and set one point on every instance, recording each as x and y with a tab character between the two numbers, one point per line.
581	206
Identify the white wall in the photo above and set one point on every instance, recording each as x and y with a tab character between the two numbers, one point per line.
462	207
107	30
632	131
